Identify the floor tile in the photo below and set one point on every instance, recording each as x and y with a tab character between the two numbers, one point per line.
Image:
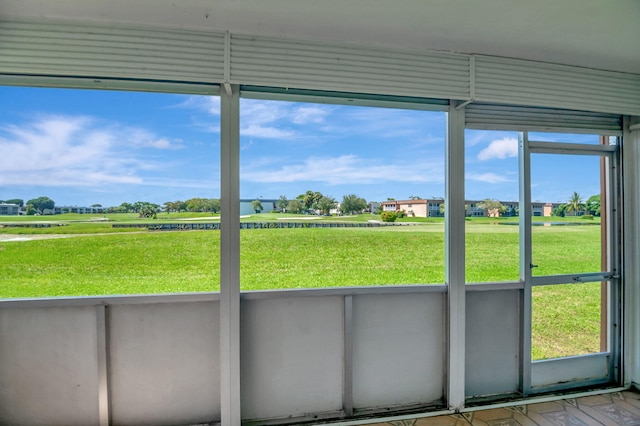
613	409
442	421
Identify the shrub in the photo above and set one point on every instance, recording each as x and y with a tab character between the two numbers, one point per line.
587	216
388	216
401	214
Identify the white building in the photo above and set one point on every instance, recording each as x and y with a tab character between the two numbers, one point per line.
9	209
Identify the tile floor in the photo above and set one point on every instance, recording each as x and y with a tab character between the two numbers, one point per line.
619	408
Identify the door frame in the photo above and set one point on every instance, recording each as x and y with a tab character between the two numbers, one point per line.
582	370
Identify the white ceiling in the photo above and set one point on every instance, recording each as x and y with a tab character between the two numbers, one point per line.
602	34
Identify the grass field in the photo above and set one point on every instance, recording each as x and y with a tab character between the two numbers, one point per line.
127	261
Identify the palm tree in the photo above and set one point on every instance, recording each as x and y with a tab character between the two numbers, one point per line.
257	206
575	203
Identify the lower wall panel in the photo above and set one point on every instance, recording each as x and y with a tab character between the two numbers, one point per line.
398	349
163	358
492	342
291	356
165	363
570	370
48	366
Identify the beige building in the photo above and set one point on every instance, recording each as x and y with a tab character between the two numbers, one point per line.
415	208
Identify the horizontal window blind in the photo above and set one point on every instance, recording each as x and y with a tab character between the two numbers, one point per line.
261	61
519	82
61	49
65	49
510	117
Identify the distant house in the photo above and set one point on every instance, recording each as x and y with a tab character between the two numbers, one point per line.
74	209
415	208
432	208
9	209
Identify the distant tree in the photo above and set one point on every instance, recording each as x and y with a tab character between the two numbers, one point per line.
169	206
139	205
559	211
31	210
116	209
214	205
415	197
295	206
311	199
326	204
442	208
575	203
492	207
17	201
96	206
282	203
593	205
147	211
352	204
41	203
388	216
256	205
391	199
127	207
196	205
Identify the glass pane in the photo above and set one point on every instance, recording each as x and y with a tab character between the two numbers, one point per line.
340	195
492	196
566	320
90	181
566	214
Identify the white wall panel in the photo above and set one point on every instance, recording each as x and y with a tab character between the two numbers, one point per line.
48	366
492	342
165	363
398	349
569	372
291	356
519	82
70	49
274	62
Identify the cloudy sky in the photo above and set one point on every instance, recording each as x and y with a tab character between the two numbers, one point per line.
82	147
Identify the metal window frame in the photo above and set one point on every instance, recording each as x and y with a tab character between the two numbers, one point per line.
230	295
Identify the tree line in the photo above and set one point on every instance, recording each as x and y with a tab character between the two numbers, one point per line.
308	202
314	201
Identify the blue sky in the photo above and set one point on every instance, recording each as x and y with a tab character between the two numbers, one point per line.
82	147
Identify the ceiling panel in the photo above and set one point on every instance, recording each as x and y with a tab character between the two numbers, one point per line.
589	33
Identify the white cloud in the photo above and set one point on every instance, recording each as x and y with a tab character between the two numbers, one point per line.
310	114
75	151
499	148
209	104
145	139
488	178
267	132
342	170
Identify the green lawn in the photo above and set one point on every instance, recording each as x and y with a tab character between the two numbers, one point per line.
119	261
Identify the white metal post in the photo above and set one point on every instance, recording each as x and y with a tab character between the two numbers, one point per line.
454	255
631	249
524	168
230	257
